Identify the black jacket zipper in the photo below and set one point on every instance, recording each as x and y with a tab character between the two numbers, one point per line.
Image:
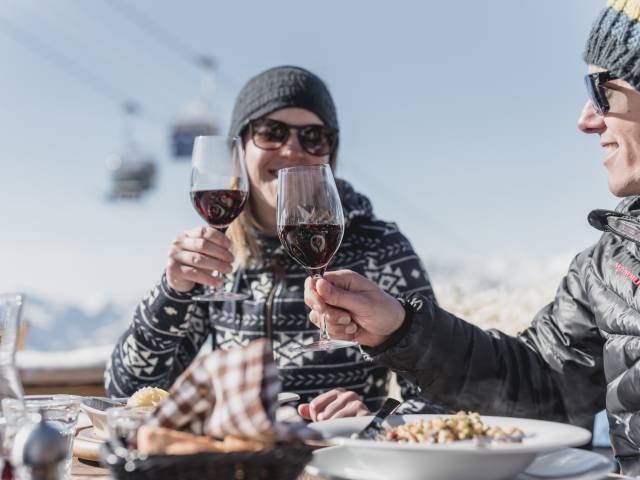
278	273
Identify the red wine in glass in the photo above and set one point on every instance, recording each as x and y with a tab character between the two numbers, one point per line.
219	191
219	207
311	244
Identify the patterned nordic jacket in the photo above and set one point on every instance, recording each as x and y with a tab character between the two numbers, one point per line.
168	328
581	350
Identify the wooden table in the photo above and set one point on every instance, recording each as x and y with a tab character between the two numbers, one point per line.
83	470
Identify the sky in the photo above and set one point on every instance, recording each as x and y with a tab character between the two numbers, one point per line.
457	120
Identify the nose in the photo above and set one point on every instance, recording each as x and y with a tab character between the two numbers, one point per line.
295	154
591	121
292	150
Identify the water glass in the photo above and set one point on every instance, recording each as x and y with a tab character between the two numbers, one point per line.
123	424
59	411
10	386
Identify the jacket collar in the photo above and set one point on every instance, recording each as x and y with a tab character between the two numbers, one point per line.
623	222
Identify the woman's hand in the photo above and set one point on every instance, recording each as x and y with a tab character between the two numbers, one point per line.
194	255
335	403
353	307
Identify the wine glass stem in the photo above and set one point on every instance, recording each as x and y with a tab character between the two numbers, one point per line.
216	274
324	335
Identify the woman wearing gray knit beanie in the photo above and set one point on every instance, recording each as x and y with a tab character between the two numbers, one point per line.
286	117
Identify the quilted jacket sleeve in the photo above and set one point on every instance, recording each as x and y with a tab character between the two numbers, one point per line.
553	370
397	269
166	333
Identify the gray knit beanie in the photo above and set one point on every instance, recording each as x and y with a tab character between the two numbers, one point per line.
614	42
282	87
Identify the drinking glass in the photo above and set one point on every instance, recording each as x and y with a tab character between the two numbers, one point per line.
10	385
219	190
59	411
123	424
310	227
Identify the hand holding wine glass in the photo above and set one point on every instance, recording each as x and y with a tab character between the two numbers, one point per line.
194	255
310	226
219	190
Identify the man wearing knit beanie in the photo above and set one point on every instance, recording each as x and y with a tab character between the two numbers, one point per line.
582	351
613	55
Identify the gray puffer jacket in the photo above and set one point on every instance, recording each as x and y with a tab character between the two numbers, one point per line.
581	349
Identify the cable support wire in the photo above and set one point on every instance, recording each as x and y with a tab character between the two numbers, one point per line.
62	61
166	38
159	33
439	228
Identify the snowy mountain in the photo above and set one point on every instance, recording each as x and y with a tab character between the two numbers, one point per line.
55	326
503	291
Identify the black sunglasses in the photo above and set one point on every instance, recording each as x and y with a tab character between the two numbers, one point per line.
595	89
270	134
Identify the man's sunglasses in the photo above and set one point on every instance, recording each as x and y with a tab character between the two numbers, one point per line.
269	134
595	88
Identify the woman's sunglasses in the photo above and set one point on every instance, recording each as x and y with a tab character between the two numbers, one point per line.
596	90
269	134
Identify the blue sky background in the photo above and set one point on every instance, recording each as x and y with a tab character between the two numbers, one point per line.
457	119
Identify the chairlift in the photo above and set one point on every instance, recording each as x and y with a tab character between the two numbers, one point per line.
196	118
132	174
184	133
133	171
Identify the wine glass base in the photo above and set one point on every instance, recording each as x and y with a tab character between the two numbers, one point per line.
324	346
221	297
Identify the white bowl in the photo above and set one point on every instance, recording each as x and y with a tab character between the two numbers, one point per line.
96	410
377	460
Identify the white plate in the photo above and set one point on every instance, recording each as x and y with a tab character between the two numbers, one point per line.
454	460
336	463
569	463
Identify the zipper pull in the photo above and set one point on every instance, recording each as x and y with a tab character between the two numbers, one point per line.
276	266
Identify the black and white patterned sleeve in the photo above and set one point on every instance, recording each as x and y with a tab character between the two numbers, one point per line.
165	335
392	263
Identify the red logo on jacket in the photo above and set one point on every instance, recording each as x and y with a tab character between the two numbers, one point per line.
620	268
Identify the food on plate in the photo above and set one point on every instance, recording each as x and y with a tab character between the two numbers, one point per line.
461	426
165	441
147	397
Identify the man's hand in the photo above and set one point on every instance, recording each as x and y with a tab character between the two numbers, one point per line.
353	307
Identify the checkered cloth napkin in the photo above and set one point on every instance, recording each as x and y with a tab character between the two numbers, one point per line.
227	392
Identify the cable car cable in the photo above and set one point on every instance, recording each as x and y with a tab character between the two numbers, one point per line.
62	61
164	36
159	33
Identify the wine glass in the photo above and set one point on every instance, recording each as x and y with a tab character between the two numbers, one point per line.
310	227
219	190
